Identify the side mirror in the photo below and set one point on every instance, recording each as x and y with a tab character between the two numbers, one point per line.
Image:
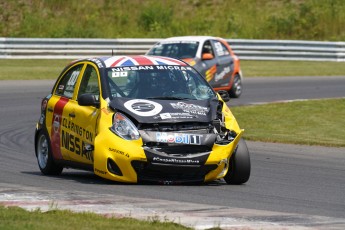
224	95
88	100
207	56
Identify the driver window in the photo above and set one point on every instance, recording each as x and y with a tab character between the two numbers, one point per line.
207	48
68	82
89	82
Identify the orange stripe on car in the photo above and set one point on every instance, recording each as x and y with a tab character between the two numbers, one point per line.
209	74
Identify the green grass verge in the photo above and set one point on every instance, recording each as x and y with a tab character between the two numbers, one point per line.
291	68
28	69
31	69
315	122
17	218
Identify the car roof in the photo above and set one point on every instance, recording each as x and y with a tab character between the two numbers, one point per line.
137	60
188	38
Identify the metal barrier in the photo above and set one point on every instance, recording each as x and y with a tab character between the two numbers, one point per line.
246	49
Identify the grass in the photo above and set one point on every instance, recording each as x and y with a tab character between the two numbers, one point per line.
291	68
26	69
12	218
314	122
264	19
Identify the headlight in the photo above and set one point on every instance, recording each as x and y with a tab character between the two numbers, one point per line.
124	128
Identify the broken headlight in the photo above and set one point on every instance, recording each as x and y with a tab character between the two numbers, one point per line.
123	127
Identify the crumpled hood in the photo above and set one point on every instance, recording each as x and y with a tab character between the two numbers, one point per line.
167	111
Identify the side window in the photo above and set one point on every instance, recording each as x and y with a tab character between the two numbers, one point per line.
207	48
221	49
89	82
67	83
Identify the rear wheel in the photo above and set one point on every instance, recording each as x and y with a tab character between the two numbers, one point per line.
45	157
239	168
236	88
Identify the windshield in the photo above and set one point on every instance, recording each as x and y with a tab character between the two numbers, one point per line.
175	49
165	82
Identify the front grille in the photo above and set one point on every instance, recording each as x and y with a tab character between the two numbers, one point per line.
162	173
177	150
191	127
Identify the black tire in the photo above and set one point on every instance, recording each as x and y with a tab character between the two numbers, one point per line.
44	155
239	168
236	88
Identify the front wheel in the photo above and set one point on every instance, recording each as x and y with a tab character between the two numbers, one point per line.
45	157
236	88
239	168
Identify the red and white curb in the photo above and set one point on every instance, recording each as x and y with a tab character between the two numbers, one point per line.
197	216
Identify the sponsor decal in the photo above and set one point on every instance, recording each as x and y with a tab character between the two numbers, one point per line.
80	131
73	78
144	108
166	116
220	50
148	67
100	171
56	127
190	108
56	123
97	61
178	138
119	152
128	68
222	74
175	160
75	145
172	67
119	74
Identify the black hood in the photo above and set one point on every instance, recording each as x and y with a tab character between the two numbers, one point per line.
167	111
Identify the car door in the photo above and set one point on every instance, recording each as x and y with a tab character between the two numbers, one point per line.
81	126
224	65
207	67
61	100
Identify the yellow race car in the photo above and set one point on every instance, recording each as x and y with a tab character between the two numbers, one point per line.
140	119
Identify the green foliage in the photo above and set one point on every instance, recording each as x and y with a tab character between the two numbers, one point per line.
301	20
155	18
264	19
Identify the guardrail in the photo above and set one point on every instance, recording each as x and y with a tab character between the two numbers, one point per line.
246	49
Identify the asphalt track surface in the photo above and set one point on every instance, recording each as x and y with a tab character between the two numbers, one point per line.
297	187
